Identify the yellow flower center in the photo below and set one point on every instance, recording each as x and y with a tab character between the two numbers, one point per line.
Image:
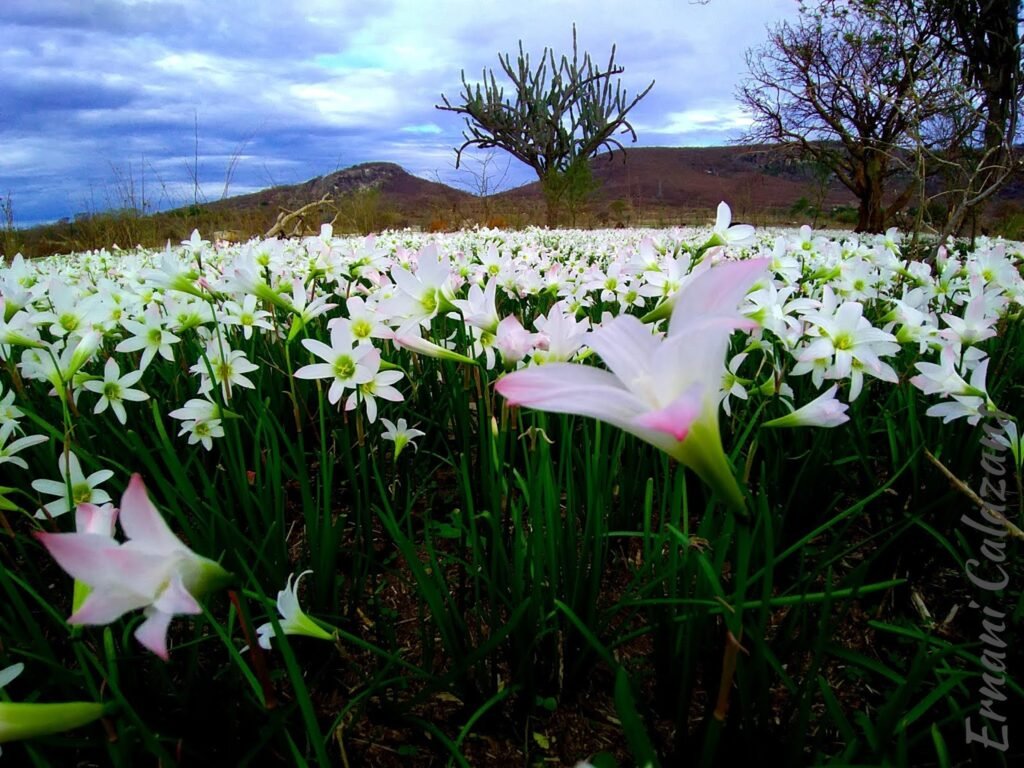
344	367
81	493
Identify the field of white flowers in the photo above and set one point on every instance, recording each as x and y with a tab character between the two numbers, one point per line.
704	487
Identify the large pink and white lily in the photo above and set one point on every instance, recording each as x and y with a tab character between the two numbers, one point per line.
666	391
152	570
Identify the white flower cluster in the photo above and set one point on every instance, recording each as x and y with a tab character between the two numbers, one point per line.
840	309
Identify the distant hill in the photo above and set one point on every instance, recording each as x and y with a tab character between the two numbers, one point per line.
749	178
652	186
393	183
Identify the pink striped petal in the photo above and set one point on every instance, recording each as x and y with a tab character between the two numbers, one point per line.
141	521
717	291
152	633
570	388
105	606
675	418
84	556
90	518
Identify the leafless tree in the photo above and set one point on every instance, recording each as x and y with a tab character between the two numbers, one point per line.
983	39
845	90
927	91
484	176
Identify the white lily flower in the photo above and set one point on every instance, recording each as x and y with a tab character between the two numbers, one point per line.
564	333
400	434
294	621
114	389
246	315
734	235
379	385
150	336
824	411
83	490
224	367
7	450
344	362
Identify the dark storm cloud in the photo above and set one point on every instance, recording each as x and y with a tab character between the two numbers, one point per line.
21	100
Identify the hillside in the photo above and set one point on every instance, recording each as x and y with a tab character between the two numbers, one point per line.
403	191
750	179
650	186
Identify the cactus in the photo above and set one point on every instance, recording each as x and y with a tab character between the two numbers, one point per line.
561	114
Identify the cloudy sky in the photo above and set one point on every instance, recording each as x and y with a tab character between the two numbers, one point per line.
107	103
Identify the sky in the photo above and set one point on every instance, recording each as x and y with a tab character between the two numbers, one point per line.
124	103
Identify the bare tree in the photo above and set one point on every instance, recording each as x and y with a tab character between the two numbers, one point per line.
983	38
11	236
484	176
560	115
845	90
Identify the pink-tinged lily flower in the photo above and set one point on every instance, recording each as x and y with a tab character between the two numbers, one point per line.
665	391
410	337
152	570
823	411
515	342
90	518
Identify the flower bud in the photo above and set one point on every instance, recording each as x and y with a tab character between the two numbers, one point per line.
24	720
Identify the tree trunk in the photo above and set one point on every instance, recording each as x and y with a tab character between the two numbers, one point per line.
551	185
870	216
871	213
551	211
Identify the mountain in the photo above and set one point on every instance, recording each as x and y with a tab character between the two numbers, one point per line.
650	186
664	179
750	178
390	181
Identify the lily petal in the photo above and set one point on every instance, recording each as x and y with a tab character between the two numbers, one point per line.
177	599
576	389
84	556
315	371
626	345
740	233
723	217
716	291
675	418
319	349
105	606
142	522
90	518
152	633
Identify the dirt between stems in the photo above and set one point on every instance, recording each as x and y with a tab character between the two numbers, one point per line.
407	722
